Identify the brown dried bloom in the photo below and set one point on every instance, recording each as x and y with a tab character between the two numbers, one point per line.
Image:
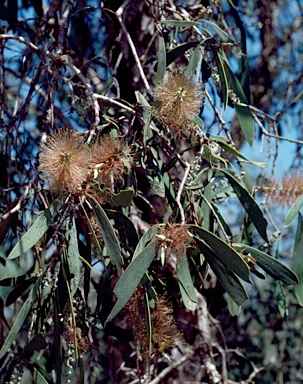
64	159
111	159
165	333
180	100
174	238
286	190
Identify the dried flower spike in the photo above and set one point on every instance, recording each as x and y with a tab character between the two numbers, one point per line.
285	191
180	100
174	238
64	159
111	159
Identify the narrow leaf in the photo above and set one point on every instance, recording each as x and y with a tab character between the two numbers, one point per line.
223	78
187	288
236	153
38	378
234	309
73	256
270	265
37	230
123	198
161	66
22	315
111	242
230	282
243	113
227	255
298	260
131	278
294	210
146	238
249	204
280	297
180	23
194	66
223	35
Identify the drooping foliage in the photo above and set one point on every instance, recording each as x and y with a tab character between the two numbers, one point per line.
129	211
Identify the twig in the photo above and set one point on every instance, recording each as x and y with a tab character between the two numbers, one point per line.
181	187
167	370
115	102
119	13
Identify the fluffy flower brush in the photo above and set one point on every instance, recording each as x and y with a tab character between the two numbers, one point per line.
180	100
286	190
111	159
64	160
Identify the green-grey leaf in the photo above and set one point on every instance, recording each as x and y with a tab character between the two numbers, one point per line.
223	35
147	109
270	265
38	378
243	113
20	319
111	242
180	23
37	230
131	278
194	66
73	256
280	297
230	282
157	186
223	78
161	66
187	288
298	260
234	309
146	238
227	255
294	210
249	204
178	51
234	152
123	198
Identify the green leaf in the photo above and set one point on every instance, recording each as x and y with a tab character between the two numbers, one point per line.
234	152
298	260
243	113
38	378
161	66
270	265
19	290
36	343
280	297
194	66
73	256
223	78
175	53
249	204
37	230
146	238
230	282
234	309
180	23
20	319
147	109
157	186
187	288
243	72
294	210
223	35
227	255
131	278
111	242
123	198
